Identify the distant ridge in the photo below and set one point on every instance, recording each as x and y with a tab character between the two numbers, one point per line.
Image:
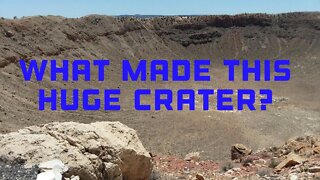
151	16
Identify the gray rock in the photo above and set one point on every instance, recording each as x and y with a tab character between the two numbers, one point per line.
87	149
17	171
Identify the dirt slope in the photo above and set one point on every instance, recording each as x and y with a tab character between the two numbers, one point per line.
294	36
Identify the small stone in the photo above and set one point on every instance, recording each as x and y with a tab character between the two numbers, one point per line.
236	169
199	177
291	160
8	34
293	177
316	150
260	162
75	177
113	171
56	165
49	175
194	156
314	169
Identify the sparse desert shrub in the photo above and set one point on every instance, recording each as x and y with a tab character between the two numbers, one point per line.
273	163
246	161
226	166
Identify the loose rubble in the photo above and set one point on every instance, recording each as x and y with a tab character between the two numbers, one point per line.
291	160
15	170
111	150
194	156
297	159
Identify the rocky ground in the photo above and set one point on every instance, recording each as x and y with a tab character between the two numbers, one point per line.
169	136
299	158
111	150
97	151
294	36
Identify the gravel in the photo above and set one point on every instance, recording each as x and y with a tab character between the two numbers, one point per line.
16	171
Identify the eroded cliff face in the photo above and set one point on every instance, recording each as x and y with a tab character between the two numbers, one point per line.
51	36
294	36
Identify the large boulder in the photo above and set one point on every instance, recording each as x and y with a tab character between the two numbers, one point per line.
101	150
291	160
238	151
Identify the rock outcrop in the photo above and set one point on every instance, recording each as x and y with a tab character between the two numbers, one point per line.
291	160
296	159
238	151
96	151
